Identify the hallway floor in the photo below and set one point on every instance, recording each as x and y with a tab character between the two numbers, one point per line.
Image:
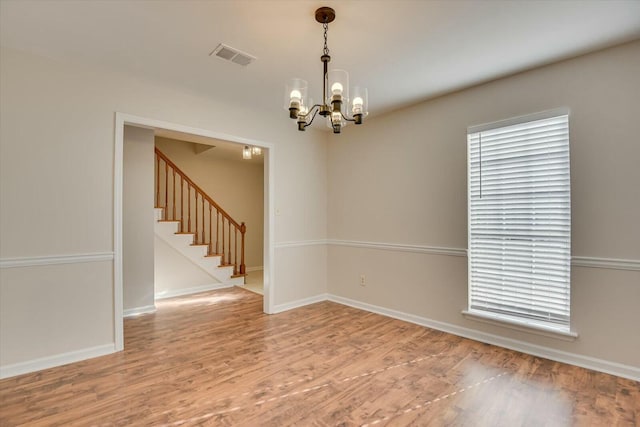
254	282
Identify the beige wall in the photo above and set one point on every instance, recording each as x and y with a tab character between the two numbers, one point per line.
52	310
237	186
137	218
57	188
401	178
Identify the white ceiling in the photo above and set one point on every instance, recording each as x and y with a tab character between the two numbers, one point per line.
404	51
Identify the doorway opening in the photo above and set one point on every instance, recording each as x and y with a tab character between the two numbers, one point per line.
205	137
225	212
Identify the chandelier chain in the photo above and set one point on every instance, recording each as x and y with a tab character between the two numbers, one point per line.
326	49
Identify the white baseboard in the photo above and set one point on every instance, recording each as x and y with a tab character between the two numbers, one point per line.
600	365
130	312
57	360
299	303
257	268
194	290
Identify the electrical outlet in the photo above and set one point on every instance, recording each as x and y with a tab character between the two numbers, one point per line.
363	281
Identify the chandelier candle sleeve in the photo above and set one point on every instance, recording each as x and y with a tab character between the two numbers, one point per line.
335	105
339	85
336	122
296	93
304	110
359	105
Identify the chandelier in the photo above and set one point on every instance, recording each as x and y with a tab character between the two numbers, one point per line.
336	105
249	152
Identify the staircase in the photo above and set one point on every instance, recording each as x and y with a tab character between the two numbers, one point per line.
190	221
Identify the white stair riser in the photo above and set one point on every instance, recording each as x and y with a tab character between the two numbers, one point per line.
158	213
167	230
236	281
195	251
216	259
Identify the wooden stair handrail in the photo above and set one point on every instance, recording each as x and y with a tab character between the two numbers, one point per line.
197	188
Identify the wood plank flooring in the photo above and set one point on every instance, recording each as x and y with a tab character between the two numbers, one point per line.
215	359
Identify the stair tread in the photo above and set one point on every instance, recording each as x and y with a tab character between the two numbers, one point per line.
184	232
168	220
213	255
199	244
233	276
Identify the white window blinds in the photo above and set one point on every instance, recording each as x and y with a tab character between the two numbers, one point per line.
520	222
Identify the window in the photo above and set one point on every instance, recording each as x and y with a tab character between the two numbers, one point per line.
520	221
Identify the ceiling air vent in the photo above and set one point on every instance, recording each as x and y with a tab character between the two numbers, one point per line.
231	54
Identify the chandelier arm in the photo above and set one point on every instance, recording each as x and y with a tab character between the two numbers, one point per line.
346	118
315	112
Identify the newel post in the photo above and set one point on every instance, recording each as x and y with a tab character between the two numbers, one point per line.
243	229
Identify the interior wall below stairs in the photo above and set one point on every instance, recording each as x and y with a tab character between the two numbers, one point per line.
175	274
138	235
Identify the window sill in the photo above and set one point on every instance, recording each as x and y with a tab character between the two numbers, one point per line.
521	326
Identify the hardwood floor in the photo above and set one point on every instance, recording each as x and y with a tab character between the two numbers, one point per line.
215	359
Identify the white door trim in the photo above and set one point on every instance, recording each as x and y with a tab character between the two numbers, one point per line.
122	119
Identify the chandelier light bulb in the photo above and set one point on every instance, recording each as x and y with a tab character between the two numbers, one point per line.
336	88
357	105
295	95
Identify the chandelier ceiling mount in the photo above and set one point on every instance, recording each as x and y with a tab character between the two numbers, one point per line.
325	15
